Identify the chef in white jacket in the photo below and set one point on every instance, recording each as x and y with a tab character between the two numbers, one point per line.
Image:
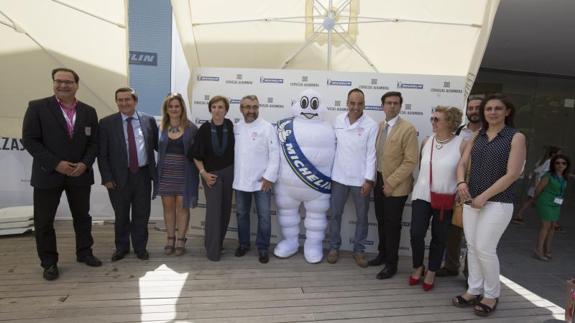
256	164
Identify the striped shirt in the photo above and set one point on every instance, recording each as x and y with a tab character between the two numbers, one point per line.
489	164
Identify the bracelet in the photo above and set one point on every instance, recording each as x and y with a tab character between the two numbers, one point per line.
459	183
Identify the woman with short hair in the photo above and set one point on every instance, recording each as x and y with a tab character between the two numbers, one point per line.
440	154
213	154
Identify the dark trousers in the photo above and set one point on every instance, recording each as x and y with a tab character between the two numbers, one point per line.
388	211
453	249
218	211
134	196
45	205
421	215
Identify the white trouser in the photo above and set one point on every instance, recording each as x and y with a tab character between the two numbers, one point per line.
483	228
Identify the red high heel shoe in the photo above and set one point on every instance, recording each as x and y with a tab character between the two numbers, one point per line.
427	287
414	281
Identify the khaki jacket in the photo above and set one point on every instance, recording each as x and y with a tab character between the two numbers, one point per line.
397	156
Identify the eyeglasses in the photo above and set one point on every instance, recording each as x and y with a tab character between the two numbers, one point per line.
434	119
64	82
560	163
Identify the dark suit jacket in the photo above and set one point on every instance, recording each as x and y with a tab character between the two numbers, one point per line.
45	136
113	152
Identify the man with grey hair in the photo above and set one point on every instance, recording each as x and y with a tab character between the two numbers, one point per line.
256	164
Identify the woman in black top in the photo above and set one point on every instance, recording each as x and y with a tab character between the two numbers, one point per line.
497	157
213	154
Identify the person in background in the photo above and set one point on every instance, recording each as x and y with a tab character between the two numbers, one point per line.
440	154
178	177
455	233
213	154
541	167
497	157
549	198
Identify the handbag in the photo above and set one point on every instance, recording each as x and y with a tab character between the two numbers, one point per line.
439	201
457	215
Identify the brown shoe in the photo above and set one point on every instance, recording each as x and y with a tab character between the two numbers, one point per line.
360	260
333	256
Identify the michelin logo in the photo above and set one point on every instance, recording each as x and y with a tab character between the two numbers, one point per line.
271	80
208	78
417	86
338	82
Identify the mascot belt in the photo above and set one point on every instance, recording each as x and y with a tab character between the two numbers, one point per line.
307	172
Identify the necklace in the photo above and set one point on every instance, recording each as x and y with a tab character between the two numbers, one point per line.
175	129
440	142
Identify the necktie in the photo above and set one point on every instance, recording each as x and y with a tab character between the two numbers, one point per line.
132	151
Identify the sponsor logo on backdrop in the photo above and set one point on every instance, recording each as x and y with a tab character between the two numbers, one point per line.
271	105
304	83
143	58
446	89
407	110
371	107
11	143
338	82
234	101
208	78
373	86
415	86
337	106
271	80
239	80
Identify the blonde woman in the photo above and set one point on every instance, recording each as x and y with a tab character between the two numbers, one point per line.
440	154
177	175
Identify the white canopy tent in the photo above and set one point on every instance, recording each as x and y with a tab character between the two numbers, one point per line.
440	37
39	35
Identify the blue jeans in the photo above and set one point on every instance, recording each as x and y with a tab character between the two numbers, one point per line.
243	207
339	193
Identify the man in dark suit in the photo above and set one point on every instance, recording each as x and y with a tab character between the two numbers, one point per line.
128	166
60	133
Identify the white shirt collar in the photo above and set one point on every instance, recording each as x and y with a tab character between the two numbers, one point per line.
393	121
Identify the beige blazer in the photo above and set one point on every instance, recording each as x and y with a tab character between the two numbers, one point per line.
397	156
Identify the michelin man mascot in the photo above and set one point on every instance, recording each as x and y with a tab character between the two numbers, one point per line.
308	149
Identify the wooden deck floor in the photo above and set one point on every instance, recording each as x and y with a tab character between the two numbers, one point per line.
192	289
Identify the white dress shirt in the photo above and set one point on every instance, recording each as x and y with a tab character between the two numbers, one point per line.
256	155
355	150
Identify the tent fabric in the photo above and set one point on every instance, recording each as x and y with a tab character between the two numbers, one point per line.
441	37
87	36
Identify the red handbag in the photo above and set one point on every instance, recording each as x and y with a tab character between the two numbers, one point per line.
439	201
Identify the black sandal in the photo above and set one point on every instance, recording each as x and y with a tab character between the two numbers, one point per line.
484	309
461	302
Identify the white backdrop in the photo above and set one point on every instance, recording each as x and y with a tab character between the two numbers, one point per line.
276	89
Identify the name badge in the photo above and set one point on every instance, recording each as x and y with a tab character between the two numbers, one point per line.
558	200
88	131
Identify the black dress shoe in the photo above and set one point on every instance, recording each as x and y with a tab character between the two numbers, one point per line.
387	272
377	261
51	273
241	251
90	260
264	258
143	255
119	255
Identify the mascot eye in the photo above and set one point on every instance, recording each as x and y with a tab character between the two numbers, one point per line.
303	102
314	103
